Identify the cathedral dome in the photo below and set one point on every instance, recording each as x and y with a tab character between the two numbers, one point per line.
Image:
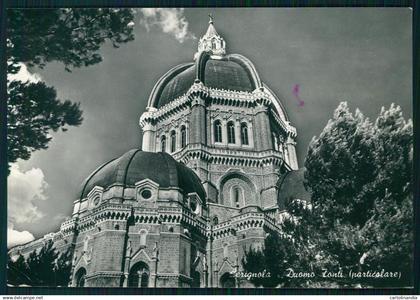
224	73
212	67
136	165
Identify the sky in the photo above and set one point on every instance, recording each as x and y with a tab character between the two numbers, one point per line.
359	55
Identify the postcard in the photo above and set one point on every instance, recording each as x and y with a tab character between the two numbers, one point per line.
210	148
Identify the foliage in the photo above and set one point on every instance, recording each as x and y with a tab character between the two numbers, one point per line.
33	111
62	268
254	262
35	37
43	268
72	36
41	265
17	271
273	258
359	174
360	217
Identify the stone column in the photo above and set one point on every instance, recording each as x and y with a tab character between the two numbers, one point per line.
155	258
178	138
212	141
264	141
251	134
187	135
198	122
205	271
72	282
127	264
238	141
149	138
291	153
276	141
216	275
236	267
224	133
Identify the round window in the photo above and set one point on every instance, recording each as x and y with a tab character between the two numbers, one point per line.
146	194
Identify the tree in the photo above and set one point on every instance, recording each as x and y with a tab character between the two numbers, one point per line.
41	265
62	268
45	267
359	174
273	259
38	36
33	111
339	165
360	217
72	36
254	262
17	271
391	228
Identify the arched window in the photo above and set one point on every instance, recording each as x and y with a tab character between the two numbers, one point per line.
218	131
80	277
183	136
163	143
215	220
236	196
139	275
244	134
173	141
213	43
231	132
144	279
193	204
143	236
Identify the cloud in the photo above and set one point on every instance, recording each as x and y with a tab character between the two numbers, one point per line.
170	20
15	237
24	188
24	75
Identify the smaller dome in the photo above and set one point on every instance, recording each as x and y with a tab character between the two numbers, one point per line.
291	186
136	165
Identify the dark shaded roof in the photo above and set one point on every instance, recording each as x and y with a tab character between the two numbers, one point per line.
222	74
136	165
291	187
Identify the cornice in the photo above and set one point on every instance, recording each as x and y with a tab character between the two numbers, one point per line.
229	156
242	222
256	98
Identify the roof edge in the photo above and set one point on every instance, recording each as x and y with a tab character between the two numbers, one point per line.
158	87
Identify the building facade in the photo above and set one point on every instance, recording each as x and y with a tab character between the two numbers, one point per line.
218	153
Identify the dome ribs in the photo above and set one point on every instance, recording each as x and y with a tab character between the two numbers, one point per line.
160	84
136	165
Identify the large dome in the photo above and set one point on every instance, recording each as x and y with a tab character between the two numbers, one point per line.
221	74
136	165
212	67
